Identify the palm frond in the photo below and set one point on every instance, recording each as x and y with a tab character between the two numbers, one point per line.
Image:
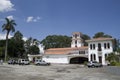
7	20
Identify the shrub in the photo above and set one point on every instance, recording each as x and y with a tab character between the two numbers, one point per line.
118	64
113	63
85	63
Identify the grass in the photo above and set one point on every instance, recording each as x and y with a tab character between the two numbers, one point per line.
117	63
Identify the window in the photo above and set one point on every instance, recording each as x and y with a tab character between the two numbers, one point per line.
90	46
108	45
91	57
99	47
94	56
75	41
75	45
93	46
81	52
105	45
76	35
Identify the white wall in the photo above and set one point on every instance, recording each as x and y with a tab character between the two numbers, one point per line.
79	43
56	59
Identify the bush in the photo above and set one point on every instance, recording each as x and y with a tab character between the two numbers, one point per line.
118	64
113	63
85	63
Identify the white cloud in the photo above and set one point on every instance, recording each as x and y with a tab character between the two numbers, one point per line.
32	19
3	36
24	38
6	5
10	17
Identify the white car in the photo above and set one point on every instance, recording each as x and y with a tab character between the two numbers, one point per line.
41	62
23	62
94	64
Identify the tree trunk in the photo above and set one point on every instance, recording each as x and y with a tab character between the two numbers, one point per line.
6	46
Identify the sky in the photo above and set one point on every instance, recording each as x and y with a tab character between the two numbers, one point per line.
40	18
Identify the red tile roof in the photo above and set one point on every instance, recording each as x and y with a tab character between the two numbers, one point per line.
99	39
63	50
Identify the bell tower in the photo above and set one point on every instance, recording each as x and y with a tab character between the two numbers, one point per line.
77	40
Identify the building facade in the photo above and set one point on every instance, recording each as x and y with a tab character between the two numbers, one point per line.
99	48
77	40
76	54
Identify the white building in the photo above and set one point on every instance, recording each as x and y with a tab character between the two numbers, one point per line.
99	48
66	55
77	40
77	53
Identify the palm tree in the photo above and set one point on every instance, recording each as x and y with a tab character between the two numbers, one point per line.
8	26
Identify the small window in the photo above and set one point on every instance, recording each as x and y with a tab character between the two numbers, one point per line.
93	46
94	56
105	45
91	57
75	41
108	45
76	35
90	46
99	47
75	45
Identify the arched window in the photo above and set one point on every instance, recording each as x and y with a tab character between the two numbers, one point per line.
94	57
93	46
75	41
105	45
76	35
91	57
108	45
99	47
90	46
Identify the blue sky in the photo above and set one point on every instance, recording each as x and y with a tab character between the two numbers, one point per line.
40	18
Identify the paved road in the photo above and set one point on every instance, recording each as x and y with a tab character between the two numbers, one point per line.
56	72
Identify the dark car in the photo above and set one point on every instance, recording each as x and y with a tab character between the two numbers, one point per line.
11	61
94	64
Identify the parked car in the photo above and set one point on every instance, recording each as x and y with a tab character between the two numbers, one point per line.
41	62
12	61
23	62
94	64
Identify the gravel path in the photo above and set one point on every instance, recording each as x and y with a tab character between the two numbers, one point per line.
113	70
56	72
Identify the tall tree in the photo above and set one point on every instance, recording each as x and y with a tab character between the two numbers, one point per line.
85	37
56	41
19	44
2	48
31	46
8	26
102	34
